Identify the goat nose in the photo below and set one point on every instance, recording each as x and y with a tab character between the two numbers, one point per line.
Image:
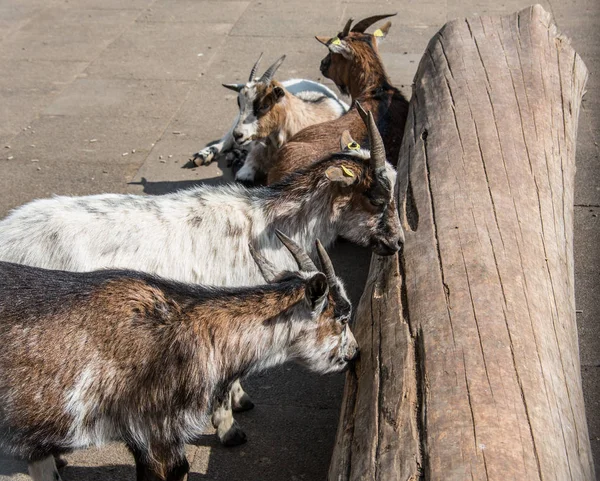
353	355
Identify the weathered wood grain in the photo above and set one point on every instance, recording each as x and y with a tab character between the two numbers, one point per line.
470	366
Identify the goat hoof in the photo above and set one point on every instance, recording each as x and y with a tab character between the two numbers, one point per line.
234	436
60	462
244	404
204	157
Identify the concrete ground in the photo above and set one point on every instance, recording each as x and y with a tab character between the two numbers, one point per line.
99	97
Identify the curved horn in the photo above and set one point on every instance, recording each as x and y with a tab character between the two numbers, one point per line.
268	75
304	261
234	87
347	27
253	71
326	264
377	148
367	22
266	268
362	112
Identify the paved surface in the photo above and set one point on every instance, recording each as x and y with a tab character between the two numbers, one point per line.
97	97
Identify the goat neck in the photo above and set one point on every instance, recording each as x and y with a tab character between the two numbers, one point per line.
367	76
249	331
303	205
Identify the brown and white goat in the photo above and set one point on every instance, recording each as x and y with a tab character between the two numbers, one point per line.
354	64
270	112
91	358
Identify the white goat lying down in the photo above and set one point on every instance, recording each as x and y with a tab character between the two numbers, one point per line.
92	358
201	235
270	112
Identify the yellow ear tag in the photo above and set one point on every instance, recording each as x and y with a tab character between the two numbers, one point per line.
336	41
347	172
378	33
353	146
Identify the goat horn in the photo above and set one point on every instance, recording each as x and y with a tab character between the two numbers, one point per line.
267	269
347	27
367	22
268	75
253	71
326	264
305	263
377	148
234	87
375	140
362	112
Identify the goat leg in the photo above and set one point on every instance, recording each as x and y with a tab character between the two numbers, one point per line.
161	462
43	470
240	401
228	430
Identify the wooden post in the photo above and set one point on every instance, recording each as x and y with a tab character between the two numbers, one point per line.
470	366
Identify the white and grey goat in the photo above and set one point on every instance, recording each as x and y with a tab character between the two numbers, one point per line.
92	358
201	235
271	112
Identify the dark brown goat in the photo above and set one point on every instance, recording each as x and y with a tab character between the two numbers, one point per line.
91	358
354	64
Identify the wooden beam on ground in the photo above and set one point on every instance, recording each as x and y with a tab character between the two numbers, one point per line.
469	360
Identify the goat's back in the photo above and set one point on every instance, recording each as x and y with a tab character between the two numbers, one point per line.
317	141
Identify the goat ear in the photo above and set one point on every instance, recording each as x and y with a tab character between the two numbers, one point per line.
316	289
279	93
344	175
347	142
382	32
323	40
234	87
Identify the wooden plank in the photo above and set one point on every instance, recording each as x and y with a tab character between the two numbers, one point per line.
485	186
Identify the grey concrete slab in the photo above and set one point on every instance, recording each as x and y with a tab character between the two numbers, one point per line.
13	470
22	181
190	11
288	19
408	38
105	4
587	282
173	51
151	99
13	16
587	177
63	33
285	443
88	139
410	12
591	384
303	57
100	120
28	86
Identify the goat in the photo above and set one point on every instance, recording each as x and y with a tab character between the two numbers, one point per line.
201	235
269	113
354	64
141	358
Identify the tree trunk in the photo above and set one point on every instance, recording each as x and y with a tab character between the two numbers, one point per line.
470	364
